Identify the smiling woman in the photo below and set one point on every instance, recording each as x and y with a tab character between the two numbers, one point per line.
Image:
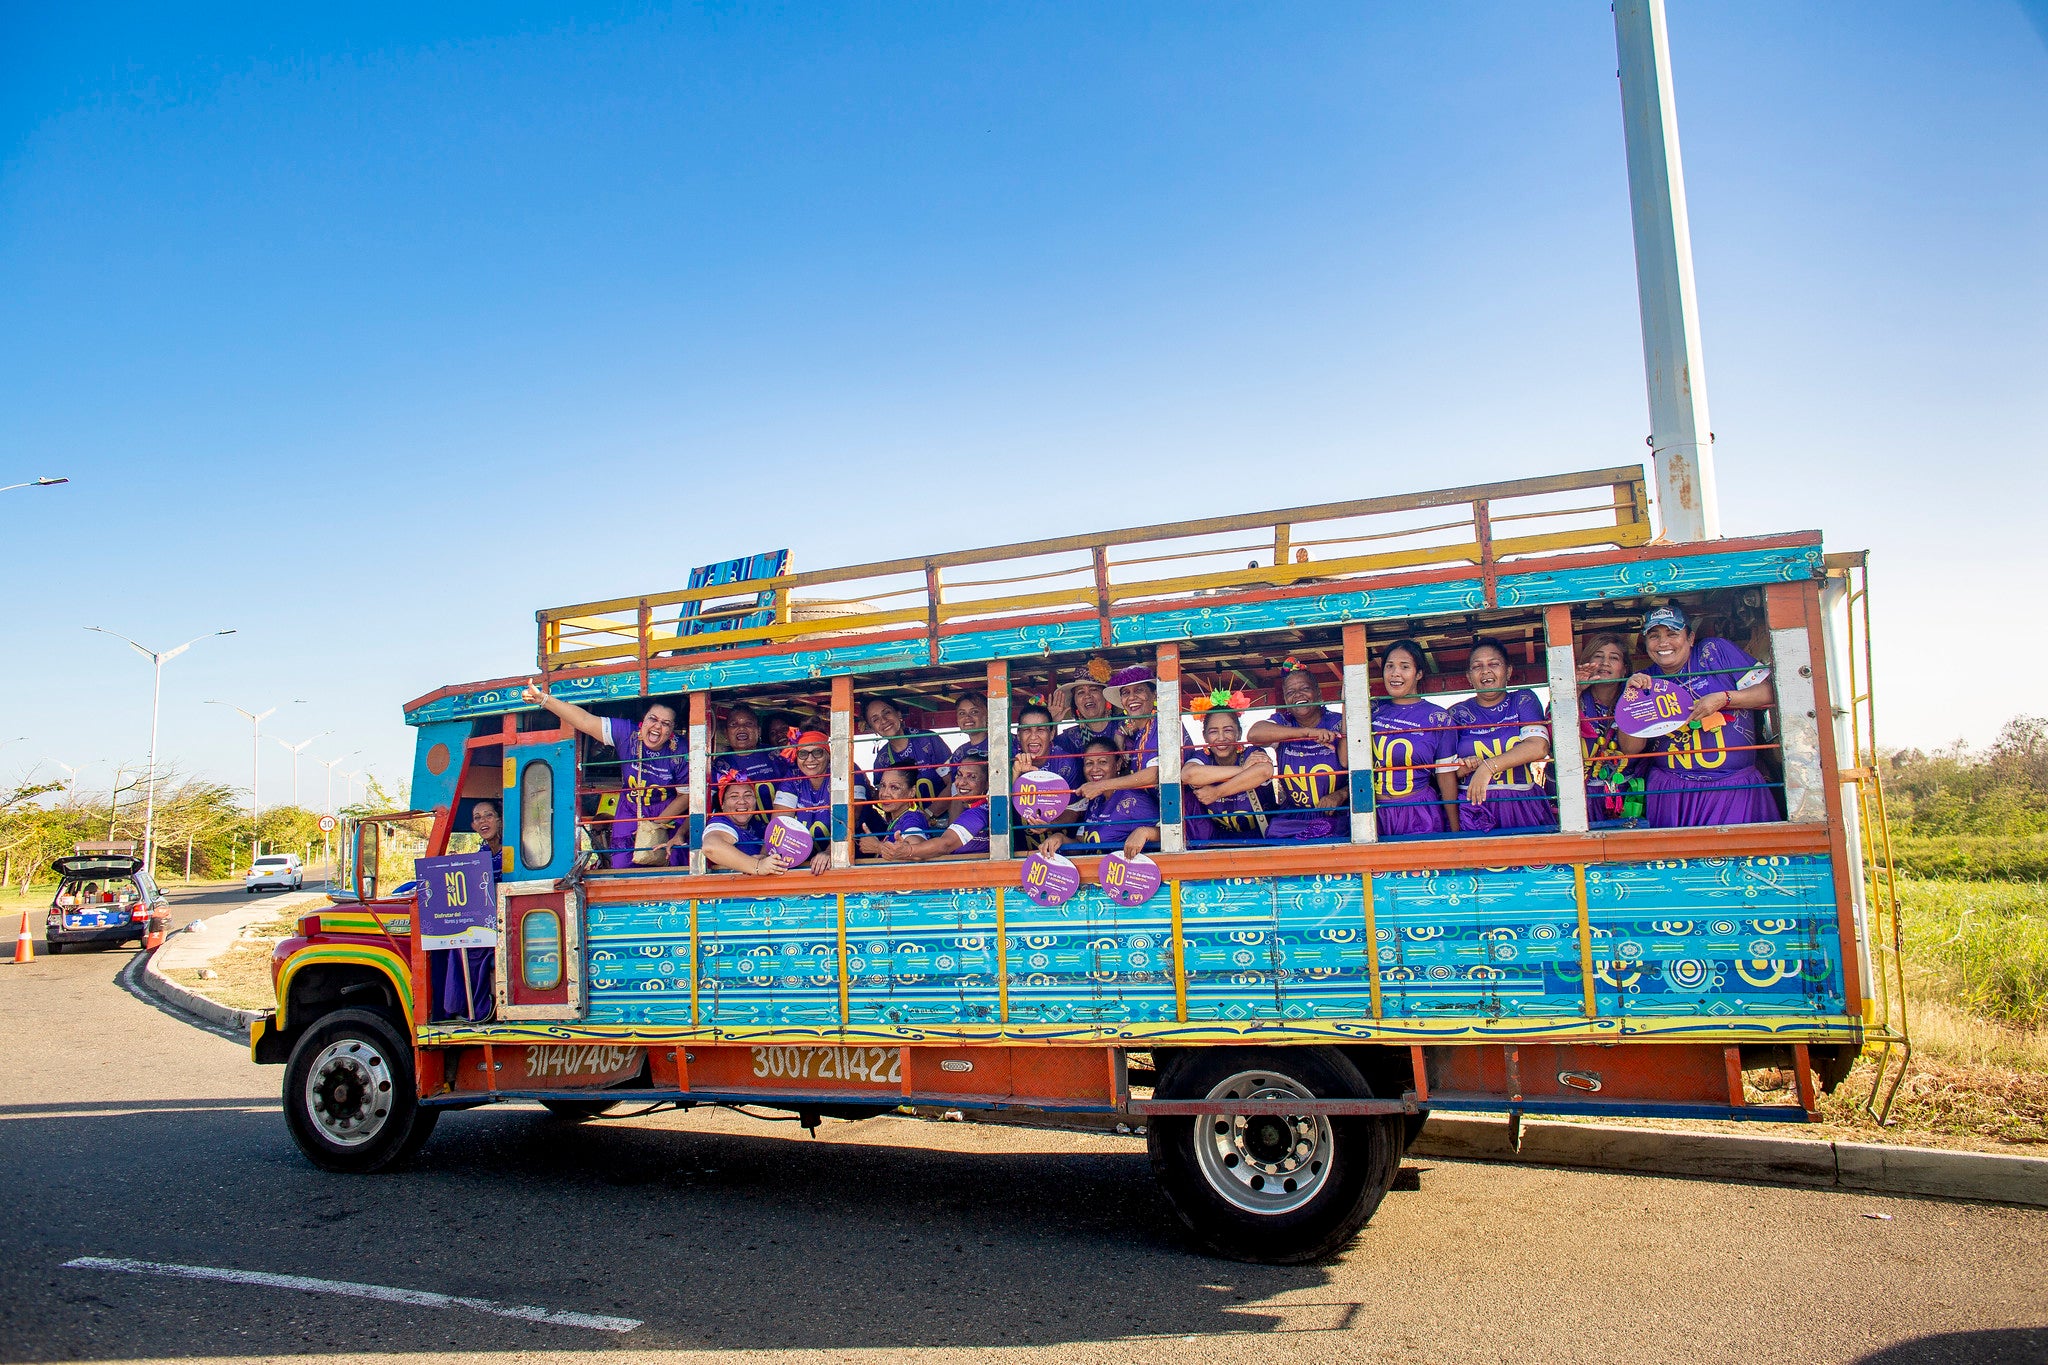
654	771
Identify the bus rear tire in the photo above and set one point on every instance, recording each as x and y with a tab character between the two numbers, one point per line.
349	1095
1271	1189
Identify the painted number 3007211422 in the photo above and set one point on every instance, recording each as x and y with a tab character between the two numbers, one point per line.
872	1065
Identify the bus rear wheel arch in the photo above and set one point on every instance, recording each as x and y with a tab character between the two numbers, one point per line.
1272	1188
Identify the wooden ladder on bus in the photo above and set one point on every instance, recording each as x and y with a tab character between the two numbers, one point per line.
1887	1039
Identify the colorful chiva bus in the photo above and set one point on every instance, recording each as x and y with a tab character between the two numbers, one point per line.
1410	852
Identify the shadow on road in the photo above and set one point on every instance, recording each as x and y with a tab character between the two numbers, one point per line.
715	1239
1996	1346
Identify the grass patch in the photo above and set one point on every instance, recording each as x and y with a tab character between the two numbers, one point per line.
1979	948
1974	857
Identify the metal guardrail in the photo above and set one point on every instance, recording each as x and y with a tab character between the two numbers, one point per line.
1350	539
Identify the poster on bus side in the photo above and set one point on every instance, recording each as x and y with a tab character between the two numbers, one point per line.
458	900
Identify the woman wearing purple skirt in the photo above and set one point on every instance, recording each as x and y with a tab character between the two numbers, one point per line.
1414	750
1706	772
1501	731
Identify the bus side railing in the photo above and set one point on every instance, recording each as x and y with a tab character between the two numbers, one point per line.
1343	540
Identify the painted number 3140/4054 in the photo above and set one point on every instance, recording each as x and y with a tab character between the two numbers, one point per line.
871	1065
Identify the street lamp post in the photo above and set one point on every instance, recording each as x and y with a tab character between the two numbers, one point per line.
255	719
331	764
298	749
156	693
71	786
32	483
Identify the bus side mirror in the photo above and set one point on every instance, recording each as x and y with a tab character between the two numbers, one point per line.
365	871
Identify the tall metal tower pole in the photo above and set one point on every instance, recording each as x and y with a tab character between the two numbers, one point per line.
1681	440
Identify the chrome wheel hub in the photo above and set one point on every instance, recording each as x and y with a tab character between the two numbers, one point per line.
1264	1163
348	1091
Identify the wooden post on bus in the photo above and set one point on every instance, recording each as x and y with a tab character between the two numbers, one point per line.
1358	732
1565	749
700	775
842	772
1166	719
997	738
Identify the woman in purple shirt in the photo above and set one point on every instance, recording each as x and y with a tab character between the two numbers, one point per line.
1307	737
927	754
1038	751
1501	731
1706	772
1614	784
654	772
1126	815
1229	786
732	838
1414	750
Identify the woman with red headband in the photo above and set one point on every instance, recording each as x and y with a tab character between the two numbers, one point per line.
807	796
732	838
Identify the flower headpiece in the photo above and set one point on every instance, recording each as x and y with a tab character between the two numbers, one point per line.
1290	664
1219	699
1098	669
799	739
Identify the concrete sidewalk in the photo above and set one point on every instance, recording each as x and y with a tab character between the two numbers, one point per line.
204	940
1872	1166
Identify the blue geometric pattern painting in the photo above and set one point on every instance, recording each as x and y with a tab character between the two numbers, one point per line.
638	962
1702	939
1090	961
922	958
768	960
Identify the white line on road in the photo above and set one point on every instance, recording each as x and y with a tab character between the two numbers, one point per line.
418	1297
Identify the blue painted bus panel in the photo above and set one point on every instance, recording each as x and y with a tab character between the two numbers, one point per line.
769	960
1659	577
1090	961
1705	938
639	962
922	958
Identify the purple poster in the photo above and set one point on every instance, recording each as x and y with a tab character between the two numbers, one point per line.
458	900
1657	710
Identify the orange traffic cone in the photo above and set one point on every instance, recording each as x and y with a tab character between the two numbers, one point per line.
24	946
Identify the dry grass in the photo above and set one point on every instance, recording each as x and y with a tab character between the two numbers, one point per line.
242	979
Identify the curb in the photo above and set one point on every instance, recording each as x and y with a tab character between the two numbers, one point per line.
192	1002
1871	1167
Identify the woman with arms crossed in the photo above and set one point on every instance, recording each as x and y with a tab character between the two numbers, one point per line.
1501	731
1414	750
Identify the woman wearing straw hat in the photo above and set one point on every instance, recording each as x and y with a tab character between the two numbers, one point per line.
1137	740
1081	698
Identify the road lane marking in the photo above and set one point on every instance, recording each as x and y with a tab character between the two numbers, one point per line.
420	1298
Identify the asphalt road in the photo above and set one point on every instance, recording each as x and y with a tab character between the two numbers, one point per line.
128	1133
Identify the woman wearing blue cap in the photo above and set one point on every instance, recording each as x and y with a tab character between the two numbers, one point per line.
1705	772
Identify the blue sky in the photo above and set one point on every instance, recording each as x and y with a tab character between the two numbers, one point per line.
368	333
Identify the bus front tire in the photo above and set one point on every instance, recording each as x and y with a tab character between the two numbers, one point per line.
349	1095
1272	1189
